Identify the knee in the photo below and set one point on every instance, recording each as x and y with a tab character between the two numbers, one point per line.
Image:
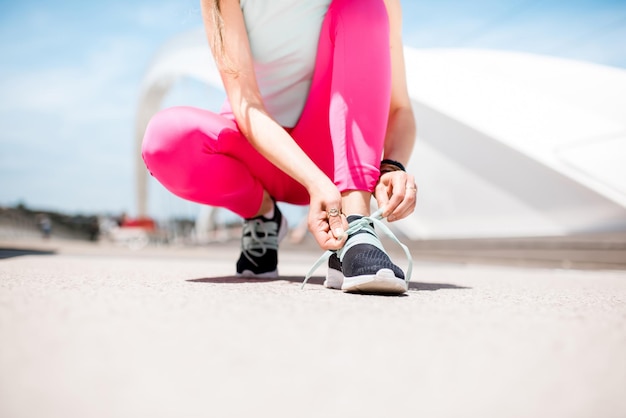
160	136
157	133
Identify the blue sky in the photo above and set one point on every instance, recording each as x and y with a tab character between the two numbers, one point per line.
70	73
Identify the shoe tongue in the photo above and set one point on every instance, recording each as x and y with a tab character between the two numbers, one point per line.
367	228
354	218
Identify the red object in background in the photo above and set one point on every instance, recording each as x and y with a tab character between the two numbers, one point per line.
143	223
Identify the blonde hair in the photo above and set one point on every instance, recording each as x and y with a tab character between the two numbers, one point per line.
221	57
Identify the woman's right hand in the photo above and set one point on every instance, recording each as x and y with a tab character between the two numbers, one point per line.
325	220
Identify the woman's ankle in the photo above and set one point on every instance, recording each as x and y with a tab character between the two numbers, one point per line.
356	202
267	206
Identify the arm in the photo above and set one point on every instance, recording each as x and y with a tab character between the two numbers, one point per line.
400	137
234	61
401	129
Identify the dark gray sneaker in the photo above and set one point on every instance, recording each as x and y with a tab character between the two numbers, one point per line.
259	246
362	265
366	267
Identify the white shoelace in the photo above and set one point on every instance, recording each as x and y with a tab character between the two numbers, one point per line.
376	219
263	237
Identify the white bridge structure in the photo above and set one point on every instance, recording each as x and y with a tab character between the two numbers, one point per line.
509	144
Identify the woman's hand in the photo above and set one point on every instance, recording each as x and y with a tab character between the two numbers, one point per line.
396	191
325	221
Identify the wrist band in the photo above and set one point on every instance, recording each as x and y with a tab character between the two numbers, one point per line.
395	166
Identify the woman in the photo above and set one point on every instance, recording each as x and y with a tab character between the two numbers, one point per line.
317	98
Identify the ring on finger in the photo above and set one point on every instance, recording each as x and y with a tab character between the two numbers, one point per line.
411	187
333	212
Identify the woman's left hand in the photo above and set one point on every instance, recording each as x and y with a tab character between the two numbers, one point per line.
396	191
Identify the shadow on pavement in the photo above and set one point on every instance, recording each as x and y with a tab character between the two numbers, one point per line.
316	280
16	252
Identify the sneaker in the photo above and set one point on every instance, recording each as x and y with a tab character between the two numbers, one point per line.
259	246
362	265
366	267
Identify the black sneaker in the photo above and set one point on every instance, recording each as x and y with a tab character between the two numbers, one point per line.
259	245
366	267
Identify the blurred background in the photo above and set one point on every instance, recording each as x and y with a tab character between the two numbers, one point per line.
520	108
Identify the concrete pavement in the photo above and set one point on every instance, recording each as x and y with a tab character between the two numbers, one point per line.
94	330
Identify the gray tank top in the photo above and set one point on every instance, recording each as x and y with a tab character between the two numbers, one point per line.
283	36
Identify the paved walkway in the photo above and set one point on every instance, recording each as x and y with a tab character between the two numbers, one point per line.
100	331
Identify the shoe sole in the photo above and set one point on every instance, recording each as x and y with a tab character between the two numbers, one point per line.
252	275
334	279
383	282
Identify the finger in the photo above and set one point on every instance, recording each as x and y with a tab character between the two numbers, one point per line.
381	194
403	210
407	205
321	233
320	228
398	191
338	226
327	241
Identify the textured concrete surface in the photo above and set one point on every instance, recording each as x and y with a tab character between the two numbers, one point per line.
101	331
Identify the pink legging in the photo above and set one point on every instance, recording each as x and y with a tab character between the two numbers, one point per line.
203	157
